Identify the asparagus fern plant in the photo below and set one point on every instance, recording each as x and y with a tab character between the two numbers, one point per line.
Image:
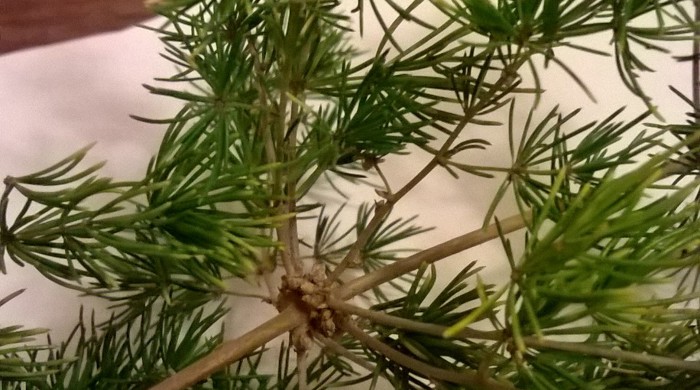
276	101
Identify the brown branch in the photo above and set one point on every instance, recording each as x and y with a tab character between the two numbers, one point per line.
387	187
407	324
234	350
384	207
696	66
292	265
270	286
612	354
428	256
338	349
291	222
464	376
265	100
287	231
505	80
531	342
380	212
302	366
292	317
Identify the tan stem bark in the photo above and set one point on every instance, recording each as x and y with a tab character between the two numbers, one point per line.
462	377
428	256
292	317
410	325
612	354
530	342
234	350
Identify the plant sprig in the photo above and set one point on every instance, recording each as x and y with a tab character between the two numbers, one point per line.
275	99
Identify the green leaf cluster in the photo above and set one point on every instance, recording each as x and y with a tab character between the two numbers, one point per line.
276	100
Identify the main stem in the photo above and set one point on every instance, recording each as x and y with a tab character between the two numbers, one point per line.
293	317
234	350
696	66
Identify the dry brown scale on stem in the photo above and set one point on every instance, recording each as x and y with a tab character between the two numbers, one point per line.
308	294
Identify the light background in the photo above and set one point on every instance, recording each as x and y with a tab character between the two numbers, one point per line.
57	99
